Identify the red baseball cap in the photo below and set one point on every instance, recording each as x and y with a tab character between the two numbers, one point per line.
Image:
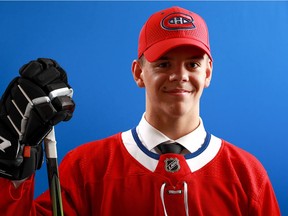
171	28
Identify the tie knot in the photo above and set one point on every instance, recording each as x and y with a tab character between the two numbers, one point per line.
174	147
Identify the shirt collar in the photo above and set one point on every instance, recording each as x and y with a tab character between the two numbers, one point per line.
151	137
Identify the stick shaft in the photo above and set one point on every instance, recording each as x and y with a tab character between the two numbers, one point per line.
54	186
53	174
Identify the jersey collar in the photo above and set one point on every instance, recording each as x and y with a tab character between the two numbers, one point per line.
150	137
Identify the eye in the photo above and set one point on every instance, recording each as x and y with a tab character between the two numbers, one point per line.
163	64
193	65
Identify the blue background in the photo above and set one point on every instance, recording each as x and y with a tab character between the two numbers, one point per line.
96	42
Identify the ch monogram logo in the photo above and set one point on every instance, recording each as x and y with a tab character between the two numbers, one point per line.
172	165
178	21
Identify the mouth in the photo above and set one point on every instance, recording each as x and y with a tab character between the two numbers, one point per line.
178	91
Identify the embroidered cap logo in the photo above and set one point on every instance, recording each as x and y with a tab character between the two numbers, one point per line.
172	165
177	21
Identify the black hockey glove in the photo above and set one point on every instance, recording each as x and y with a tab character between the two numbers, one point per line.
31	105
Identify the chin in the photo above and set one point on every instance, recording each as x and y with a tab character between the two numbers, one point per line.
178	112
181	109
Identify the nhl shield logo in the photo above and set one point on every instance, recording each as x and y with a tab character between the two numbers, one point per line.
172	165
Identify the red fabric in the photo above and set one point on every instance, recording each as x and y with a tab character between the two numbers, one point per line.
171	28
102	178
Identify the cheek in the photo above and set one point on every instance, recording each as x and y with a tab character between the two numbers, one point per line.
198	81
154	80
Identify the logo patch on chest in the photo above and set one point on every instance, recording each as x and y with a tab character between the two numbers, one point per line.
172	165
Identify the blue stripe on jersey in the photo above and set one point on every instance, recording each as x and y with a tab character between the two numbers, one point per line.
142	147
157	156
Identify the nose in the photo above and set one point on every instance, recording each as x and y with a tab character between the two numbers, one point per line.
180	74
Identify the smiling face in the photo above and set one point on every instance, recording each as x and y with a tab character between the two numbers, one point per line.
174	84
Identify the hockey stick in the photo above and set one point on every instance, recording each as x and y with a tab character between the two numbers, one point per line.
53	174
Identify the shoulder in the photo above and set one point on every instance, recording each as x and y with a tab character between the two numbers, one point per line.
253	178
96	146
96	153
238	164
241	158
245	168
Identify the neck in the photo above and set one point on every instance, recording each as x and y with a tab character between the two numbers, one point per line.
174	128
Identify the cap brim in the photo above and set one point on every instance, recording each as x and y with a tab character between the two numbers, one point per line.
159	49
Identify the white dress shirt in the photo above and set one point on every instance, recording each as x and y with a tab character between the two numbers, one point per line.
151	137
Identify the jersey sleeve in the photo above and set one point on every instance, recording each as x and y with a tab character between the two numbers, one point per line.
13	200
71	189
76	169
266	203
19	201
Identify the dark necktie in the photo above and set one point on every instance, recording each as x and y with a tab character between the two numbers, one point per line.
175	148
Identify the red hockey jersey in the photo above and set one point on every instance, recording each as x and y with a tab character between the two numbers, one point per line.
103	178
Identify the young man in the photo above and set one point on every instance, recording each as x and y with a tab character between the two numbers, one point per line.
168	164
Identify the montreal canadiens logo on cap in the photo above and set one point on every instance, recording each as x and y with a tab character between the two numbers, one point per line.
177	21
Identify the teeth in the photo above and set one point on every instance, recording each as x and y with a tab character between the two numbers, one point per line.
179	91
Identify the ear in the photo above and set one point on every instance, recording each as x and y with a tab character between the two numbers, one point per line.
137	73
208	73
